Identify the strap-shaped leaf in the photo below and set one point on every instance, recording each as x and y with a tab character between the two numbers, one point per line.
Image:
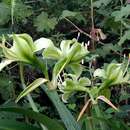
31	87
64	113
59	66
84	109
51	124
15	125
103	98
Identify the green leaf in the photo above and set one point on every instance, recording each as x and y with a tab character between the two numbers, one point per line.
44	23
4	31
37	117
125	37
84	82
59	66
31	87
6	87
76	68
67	13
4	13
15	125
124	12
71	14
65	115
124	96
107	48
99	3
52	52
19	11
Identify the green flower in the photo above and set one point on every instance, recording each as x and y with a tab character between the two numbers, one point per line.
23	49
70	54
67	48
112	75
73	84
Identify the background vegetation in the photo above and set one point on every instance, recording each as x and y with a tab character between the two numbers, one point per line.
104	27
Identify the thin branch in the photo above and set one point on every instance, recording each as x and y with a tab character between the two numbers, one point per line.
81	31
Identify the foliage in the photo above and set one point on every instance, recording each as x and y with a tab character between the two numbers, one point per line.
43	23
4	13
82	64
19	11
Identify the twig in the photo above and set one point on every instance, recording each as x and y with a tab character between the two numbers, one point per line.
92	22
81	31
88	35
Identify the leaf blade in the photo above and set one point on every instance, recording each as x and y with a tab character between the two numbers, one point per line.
36	116
31	87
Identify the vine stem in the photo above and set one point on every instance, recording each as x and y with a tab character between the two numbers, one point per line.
96	107
12	11
92	14
121	27
92	22
29	97
80	30
97	110
88	35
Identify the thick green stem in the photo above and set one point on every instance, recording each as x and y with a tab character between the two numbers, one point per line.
31	102
64	113
90	125
98	114
97	111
